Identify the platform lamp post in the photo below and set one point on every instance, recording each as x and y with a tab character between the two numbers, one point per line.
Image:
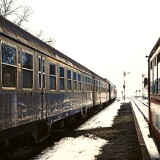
124	85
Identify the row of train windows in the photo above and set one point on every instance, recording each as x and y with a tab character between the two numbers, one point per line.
155	75
9	72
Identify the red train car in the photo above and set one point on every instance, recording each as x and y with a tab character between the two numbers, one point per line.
154	90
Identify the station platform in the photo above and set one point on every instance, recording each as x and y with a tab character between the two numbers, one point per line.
125	137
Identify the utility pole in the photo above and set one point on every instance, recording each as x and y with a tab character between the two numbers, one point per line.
124	85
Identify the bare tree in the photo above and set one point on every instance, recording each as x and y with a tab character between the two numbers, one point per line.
20	14
39	34
9	8
49	41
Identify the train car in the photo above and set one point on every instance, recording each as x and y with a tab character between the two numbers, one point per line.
40	86
154	90
100	91
112	92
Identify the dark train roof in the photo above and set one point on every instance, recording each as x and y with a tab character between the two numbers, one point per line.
11	30
154	48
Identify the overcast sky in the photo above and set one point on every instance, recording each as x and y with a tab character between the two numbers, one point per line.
107	36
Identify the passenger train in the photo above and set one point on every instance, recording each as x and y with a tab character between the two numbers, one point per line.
40	86
154	90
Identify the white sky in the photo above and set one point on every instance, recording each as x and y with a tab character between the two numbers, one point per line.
107	36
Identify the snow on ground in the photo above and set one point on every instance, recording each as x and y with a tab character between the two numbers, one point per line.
103	119
153	152
79	148
87	147
82	147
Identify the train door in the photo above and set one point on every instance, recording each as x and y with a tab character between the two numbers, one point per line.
42	84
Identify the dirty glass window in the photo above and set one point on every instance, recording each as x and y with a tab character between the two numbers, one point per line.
155	75
52	76
86	82
9	68
62	82
8	54
39	72
151	78
44	75
83	83
79	82
27	61
27	64
75	80
9	74
158	61
69	79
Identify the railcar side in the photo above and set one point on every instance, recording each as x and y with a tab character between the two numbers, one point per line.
40	86
154	90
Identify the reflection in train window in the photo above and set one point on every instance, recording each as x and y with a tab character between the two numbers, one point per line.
9	68
62	85
9	74
158	62
52	76
27	61
43	71
79	82
69	79
8	54
39	72
75	80
27	64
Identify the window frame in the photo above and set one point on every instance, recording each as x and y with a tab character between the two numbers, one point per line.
69	80
10	65
79	82
26	69
53	75
61	78
75	81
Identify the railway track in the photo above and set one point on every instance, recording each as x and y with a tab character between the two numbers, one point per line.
142	107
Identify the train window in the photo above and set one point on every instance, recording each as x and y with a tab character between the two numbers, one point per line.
52	76
79	82
83	83
9	74
27	60
75	80
69	79
158	61
27	64
62	82
8	54
39	72
151	81
44	75
86	82
97	86
9	68
155	76
91	84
